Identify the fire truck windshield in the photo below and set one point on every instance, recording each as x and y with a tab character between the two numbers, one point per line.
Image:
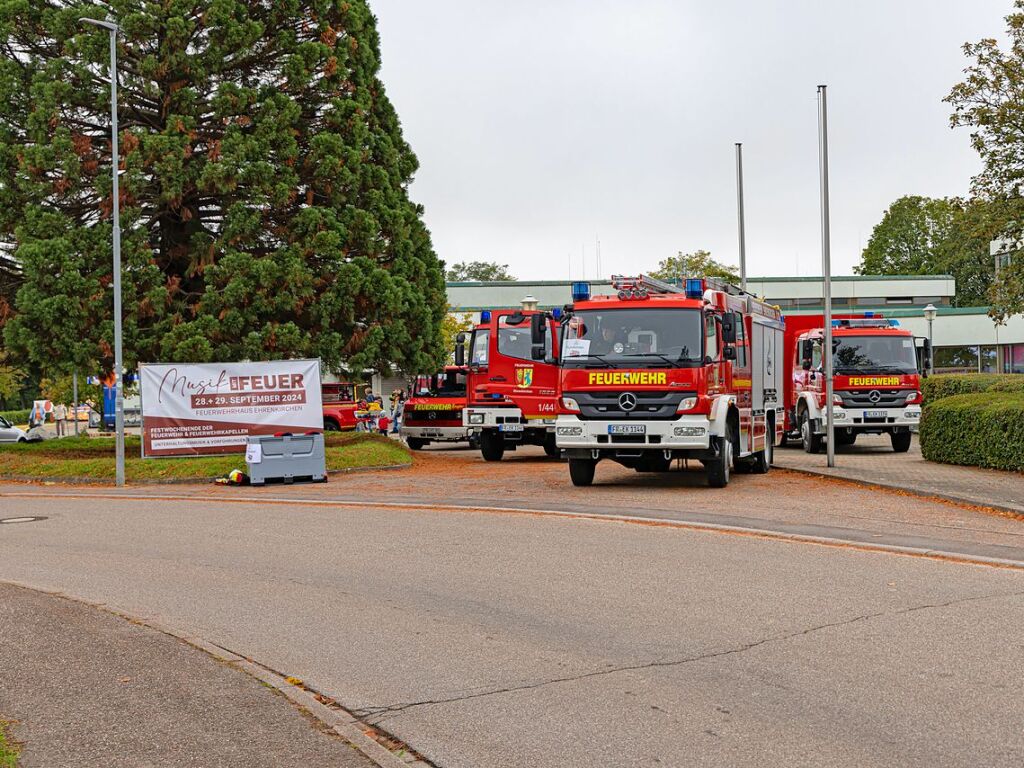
448	384
622	338
873	354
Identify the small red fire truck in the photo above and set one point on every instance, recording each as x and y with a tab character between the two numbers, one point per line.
656	372
512	398
434	412
876	386
339	406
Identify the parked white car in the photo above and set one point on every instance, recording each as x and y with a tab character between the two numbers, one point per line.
10	433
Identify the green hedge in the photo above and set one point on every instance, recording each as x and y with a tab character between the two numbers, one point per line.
946	385
982	430
16	418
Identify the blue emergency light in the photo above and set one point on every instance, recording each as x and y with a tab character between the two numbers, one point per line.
869	314
694	288
835	323
485	316
894	323
580	291
556	313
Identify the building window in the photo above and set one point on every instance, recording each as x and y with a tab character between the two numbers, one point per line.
989	360
956	359
1013	358
900	300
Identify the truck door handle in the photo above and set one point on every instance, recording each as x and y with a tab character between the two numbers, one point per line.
497	378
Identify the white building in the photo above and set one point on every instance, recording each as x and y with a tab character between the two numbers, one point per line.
965	339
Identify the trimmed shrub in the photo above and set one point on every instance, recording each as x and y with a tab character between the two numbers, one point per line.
16	417
982	430
946	385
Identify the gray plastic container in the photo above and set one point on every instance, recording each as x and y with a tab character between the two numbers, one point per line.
287	458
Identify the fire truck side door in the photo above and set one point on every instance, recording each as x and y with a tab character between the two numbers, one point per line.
514	373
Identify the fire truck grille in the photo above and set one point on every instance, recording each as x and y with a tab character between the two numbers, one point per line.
426	418
886	398
649	405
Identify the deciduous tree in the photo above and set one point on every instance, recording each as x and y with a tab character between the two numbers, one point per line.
696	264
483	271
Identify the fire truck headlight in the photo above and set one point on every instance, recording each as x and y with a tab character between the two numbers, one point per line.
837	400
688	431
570	431
913	397
570	404
687	404
476	418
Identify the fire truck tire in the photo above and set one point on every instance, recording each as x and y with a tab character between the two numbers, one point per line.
811	441
581	471
551	449
900	441
492	446
416	443
845	438
719	468
330	425
762	463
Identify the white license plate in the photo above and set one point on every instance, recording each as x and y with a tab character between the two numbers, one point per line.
510	427
627	429
875	414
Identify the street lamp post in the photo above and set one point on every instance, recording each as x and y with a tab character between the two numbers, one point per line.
116	215
929	314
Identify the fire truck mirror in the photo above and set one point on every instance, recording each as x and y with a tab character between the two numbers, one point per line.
537	351
538	324
460	338
729	353
806	353
460	350
729	321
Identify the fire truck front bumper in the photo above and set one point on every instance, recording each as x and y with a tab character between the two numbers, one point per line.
438	434
509	420
687	433
873	420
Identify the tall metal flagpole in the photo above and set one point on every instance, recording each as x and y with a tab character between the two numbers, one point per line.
739	208
826	269
116	215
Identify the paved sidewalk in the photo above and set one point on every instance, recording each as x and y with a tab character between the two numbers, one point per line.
872	460
85	688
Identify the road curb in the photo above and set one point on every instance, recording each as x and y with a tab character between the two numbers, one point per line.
179	480
962	500
336	718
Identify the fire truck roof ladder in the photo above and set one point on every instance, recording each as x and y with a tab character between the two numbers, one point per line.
643	283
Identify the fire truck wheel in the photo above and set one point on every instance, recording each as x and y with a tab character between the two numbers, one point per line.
492	446
720	466
762	463
582	471
416	443
812	442
330	425
900	441
843	437
551	448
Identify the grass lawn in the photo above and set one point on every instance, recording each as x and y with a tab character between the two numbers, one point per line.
93	458
8	750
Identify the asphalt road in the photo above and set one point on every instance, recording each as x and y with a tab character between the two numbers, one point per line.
492	640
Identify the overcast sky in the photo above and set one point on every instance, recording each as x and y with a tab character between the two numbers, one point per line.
541	125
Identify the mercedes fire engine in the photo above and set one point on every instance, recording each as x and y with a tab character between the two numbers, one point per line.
656	373
876	385
512	398
433	414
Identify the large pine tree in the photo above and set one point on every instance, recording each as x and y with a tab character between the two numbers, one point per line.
264	187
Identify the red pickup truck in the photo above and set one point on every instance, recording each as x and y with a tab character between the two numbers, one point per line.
339	406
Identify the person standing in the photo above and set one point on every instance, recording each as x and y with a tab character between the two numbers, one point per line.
60	416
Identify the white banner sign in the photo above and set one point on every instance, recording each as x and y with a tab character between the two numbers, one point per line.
195	409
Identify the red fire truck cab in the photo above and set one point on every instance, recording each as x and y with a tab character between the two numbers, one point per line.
339	406
433	414
656	372
876	385
512	398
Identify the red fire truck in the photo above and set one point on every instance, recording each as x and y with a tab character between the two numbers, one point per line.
876	385
434	412
339	406
512	398
656	372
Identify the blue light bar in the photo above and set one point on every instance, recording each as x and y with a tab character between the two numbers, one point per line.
556	313
835	323
694	287
485	316
869	314
580	291
894	323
